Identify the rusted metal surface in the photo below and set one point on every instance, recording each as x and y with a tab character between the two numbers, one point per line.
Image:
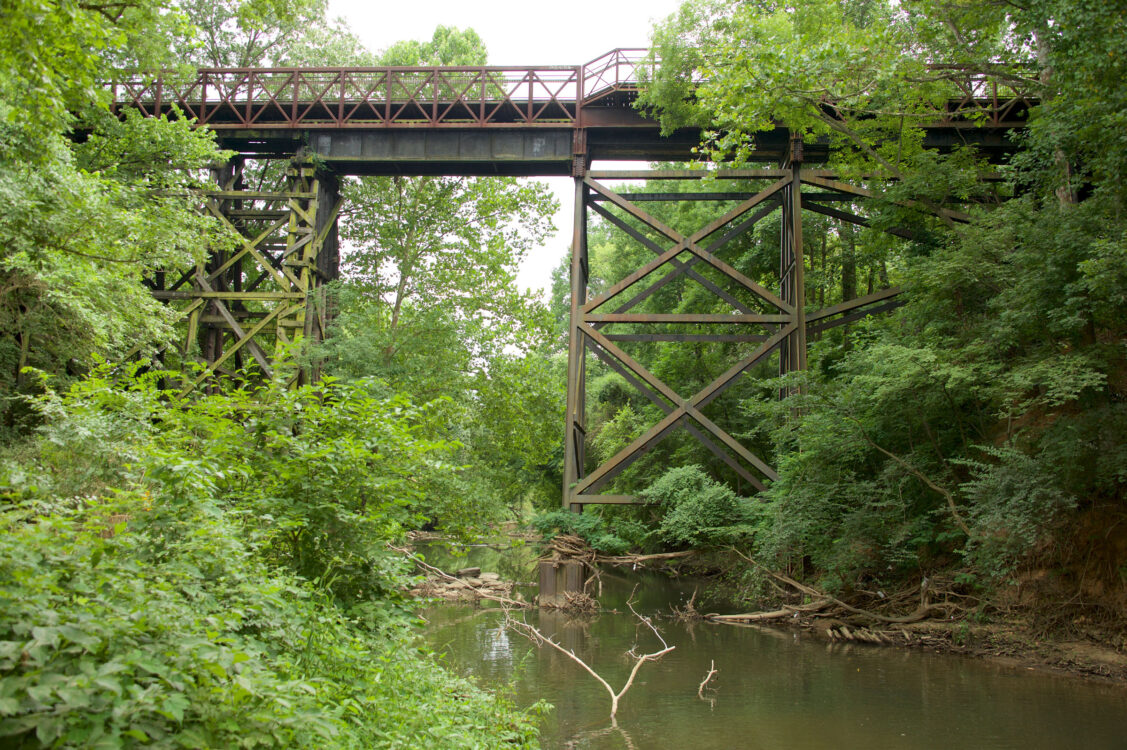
775	330
598	93
449	96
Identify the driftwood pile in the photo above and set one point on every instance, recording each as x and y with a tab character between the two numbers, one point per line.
571	547
883	622
466	585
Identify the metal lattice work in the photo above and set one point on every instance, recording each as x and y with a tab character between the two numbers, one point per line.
245	306
455	97
252	98
774	322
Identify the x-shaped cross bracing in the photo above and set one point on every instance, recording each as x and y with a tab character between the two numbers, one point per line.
782	324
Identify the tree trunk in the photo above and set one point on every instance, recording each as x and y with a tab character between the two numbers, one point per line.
1064	192
848	273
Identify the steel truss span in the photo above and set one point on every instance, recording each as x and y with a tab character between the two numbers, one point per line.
516	120
596	93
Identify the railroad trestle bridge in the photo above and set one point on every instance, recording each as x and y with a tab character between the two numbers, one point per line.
243	307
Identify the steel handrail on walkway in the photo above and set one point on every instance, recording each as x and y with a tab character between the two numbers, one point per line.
268	98
456	96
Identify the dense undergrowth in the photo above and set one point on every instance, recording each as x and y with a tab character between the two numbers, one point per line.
213	573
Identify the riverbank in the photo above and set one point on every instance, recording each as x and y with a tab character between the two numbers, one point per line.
773	686
1010	638
1069	642
1009	644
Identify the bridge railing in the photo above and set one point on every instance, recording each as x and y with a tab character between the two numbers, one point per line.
998	100
617	70
361	97
280	98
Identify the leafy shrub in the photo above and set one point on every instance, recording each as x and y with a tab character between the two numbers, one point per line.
701	512
205	589
589	526
1014	503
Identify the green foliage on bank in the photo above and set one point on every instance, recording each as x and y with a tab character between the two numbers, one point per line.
215	573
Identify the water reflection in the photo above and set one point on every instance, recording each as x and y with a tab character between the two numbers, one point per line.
772	689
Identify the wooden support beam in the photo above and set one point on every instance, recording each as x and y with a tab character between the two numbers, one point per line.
240	334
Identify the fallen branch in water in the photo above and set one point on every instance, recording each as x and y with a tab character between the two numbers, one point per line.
825	605
533	634
476	591
572	547
708	677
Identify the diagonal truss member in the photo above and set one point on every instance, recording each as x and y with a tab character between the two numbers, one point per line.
676	255
243	308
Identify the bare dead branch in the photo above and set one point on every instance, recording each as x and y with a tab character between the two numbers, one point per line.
707	678
536	636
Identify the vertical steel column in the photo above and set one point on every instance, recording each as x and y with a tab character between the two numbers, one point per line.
792	265
576	417
799	354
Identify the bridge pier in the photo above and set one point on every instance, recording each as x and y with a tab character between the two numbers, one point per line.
768	323
558	578
245	308
677	255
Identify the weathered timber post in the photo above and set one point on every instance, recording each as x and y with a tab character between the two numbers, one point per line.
312	252
558	578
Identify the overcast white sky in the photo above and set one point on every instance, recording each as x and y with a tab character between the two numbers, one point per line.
518	32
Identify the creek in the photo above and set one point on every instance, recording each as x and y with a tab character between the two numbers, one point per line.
773	688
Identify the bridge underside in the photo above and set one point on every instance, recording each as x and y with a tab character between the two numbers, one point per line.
529	152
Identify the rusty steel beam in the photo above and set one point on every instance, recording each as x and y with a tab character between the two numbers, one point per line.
575	416
730	338
655	399
689	243
684	266
680	265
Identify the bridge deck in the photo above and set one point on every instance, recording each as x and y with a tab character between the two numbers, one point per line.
477	120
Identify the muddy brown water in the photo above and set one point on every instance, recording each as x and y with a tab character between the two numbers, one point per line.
773	688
